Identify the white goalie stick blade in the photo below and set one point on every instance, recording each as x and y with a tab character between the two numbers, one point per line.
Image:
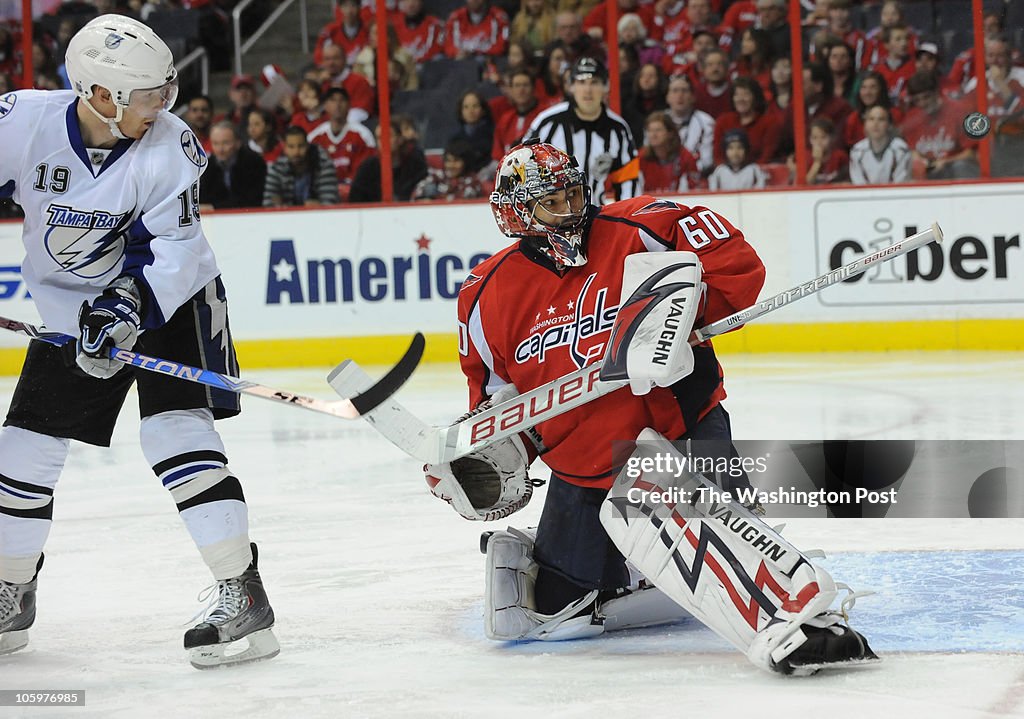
253	647
349	408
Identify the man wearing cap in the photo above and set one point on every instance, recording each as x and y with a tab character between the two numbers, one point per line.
243	101
598	138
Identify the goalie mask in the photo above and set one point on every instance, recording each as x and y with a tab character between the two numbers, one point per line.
541	195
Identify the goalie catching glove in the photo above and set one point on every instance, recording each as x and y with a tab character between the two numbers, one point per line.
489	483
650	344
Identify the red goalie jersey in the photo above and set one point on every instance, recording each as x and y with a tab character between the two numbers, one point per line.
523	323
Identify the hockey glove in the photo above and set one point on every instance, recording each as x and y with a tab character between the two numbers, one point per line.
488	484
111	321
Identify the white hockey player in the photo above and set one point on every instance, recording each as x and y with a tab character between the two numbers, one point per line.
115	255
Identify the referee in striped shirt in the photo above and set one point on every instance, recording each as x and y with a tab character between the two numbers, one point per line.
598	138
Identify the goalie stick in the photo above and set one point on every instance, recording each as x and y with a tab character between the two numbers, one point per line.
351	408
436	445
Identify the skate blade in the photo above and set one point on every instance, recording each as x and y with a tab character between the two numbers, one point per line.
806	670
13	641
250	648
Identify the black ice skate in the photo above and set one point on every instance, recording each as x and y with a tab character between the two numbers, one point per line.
237	627
17	612
833	646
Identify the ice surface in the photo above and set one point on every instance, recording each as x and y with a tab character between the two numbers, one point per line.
377	586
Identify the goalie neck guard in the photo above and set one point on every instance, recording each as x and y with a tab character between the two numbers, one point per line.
541	195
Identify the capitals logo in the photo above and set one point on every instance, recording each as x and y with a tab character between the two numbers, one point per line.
85	243
571	329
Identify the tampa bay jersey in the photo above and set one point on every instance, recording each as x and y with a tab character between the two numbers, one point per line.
522	322
92	215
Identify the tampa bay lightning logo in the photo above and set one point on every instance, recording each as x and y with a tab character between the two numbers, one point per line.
193	150
7	103
85	243
113	41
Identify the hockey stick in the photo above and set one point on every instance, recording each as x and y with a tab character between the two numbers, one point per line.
443	444
351	408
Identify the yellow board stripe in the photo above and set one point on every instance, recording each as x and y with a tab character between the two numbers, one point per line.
996	335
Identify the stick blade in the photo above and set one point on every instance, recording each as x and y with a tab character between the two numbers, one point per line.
390	383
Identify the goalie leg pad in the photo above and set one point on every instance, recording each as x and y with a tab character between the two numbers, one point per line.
725	566
510	611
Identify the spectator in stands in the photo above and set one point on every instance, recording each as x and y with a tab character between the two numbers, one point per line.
44	67
310	100
302	176
891	16
454	181
696	127
242	95
534	24
595	22
10	61
402	73
346	143
738	172
408	167
933	128
819	95
840	26
406	128
738	17
199	117
261	130
551	83
476	127
572	39
781	88
688	62
348	32
714	90
678	33
6	83
633	33
666	166
646	95
419	33
771	17
898	65
510	127
880	158
750	114
840	65
477	30
236	175
963	65
828	164
1005	82
334	72
754	58
871	91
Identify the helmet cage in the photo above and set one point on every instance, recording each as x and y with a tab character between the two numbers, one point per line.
527	174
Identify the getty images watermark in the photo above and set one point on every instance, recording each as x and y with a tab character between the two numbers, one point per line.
675	465
833	478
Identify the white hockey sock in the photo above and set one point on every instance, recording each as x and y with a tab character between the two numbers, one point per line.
187	455
30	464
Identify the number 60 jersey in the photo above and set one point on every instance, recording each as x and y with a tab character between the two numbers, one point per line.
522	322
92	215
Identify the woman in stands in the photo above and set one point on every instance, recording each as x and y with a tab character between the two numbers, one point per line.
476	127
871	90
753	61
749	113
666	166
262	130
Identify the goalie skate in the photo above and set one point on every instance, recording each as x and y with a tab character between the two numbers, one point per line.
237	627
17	612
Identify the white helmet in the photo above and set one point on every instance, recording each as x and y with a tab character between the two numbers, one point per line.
123	55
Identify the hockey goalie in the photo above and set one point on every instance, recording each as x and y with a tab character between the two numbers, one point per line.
622	286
